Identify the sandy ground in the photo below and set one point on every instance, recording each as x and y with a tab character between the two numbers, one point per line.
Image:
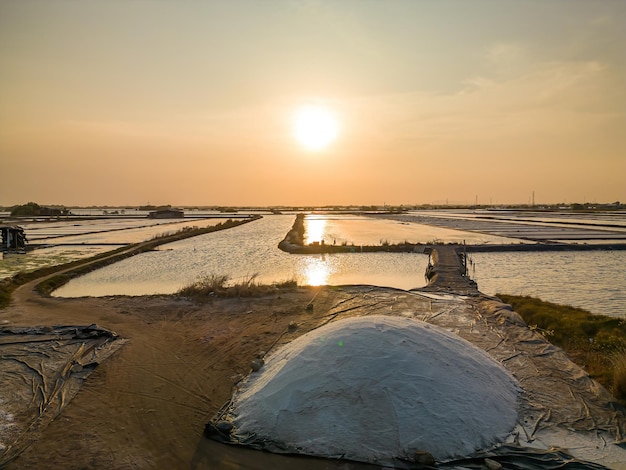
147	405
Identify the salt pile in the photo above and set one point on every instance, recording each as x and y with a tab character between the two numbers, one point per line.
377	388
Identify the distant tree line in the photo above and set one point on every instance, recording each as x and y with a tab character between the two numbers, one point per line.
34	209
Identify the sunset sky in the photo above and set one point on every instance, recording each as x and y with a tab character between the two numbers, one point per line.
193	102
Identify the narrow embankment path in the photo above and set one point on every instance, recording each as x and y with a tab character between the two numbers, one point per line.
26	292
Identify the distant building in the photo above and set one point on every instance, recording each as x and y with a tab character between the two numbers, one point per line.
167	214
53	211
13	237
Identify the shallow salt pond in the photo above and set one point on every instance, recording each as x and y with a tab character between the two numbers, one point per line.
113	231
358	230
592	280
241	253
67	241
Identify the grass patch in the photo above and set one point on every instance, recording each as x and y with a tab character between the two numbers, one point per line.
619	376
220	286
597	343
8	285
287	284
5	294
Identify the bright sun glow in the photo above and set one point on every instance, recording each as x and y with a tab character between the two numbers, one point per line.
315	229
316	272
315	127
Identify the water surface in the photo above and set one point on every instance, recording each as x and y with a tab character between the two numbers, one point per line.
240	253
360	230
593	280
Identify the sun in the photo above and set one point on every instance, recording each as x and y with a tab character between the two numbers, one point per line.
315	127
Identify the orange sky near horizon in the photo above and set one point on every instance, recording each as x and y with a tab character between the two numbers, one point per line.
192	103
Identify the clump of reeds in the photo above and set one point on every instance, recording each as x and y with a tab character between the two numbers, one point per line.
287	284
619	376
221	286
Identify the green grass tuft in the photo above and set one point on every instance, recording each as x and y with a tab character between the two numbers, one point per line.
597	343
619	376
220	286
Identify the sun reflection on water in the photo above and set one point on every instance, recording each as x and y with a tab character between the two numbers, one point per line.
315	229
316	271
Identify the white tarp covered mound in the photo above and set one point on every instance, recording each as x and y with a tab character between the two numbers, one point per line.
377	388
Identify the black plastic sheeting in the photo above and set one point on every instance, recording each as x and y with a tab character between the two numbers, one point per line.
41	370
509	457
523	458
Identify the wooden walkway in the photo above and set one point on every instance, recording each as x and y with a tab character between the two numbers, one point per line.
446	271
